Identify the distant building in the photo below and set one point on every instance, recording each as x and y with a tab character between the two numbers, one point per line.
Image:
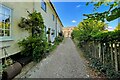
67	31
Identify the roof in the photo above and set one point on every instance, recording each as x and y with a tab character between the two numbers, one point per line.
55	11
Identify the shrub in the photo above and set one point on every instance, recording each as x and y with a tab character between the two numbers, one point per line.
33	46
36	44
58	39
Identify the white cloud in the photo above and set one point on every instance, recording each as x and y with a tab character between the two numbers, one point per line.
110	28
73	21
78	6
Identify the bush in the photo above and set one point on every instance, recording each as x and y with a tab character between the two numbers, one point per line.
33	46
58	39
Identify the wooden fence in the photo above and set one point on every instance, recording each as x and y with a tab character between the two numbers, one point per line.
105	52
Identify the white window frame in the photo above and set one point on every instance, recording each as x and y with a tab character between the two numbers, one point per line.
43	2
6	38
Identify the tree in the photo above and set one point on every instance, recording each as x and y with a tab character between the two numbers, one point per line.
34	45
90	26
111	14
34	23
87	28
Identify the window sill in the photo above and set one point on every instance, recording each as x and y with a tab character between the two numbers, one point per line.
5	40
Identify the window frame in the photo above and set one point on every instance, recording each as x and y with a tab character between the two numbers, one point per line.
53	17
6	38
43	2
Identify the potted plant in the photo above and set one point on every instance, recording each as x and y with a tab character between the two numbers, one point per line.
48	32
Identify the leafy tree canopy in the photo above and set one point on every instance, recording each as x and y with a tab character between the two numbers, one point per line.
88	27
111	14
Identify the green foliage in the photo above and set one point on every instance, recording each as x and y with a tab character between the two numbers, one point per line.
75	34
48	32
33	46
106	68
36	44
111	14
52	46
34	23
7	62
58	39
86	29
90	31
110	36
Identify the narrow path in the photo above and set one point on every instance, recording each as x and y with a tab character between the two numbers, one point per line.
65	62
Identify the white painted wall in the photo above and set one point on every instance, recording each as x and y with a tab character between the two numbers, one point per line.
19	9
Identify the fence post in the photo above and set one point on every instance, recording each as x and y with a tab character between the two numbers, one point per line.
94	44
111	53
116	58
119	56
92	49
103	51
99	50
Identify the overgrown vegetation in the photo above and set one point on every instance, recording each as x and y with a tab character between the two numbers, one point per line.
88	46
36	44
86	29
97	42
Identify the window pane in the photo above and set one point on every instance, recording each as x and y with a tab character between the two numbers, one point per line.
0	8
7	25
3	24
43	5
53	16
1	32
1	21
7	11
5	17
7	22
7	33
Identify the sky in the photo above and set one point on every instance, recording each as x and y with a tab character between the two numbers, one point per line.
71	13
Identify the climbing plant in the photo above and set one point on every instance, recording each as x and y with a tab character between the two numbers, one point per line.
34	23
34	45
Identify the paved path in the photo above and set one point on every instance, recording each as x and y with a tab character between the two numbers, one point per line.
65	62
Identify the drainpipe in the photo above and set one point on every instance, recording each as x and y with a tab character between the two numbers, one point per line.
56	26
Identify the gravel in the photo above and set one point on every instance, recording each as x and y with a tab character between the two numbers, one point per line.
64	62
